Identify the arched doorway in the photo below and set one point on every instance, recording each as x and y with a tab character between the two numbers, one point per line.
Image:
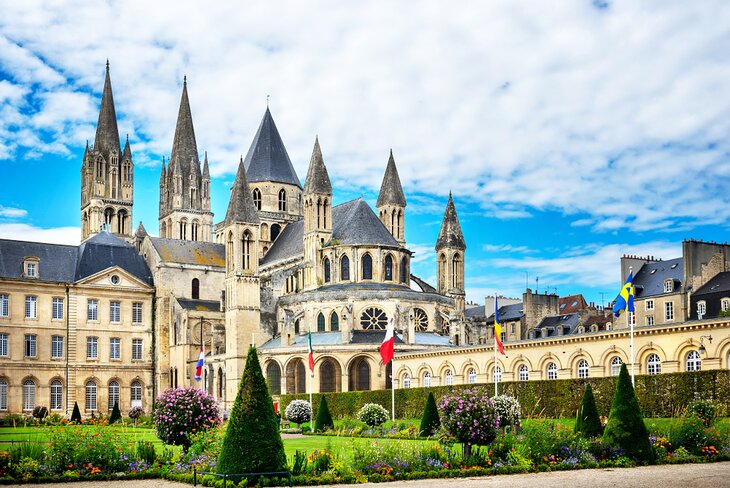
359	375
296	377
330	376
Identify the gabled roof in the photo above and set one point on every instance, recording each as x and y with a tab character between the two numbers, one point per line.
391	191
507	313
289	244
450	234
190	252
184	148
569	321
105	250
571	303
719	283
57	262
267	159
107	132
649	281
474	312
241	207
318	180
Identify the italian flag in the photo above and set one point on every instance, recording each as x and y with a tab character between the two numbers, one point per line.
387	348
311	352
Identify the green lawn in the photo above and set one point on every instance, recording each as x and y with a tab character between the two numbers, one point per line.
11	435
342	445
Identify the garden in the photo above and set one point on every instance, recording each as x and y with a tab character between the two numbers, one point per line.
466	432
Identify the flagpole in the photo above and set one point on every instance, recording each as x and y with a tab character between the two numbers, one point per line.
494	370
311	375
631	326
202	349
392	378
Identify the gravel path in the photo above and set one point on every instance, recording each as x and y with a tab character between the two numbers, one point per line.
711	475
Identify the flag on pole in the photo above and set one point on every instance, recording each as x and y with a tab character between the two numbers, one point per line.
625	298
387	348
199	366
311	352
497	327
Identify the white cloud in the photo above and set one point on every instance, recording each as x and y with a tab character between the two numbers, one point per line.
12	213
506	248
55	235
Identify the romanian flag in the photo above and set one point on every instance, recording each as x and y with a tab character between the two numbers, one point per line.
497	328
625	298
311	353
199	366
387	348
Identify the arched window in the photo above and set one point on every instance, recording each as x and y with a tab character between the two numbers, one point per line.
196	289
694	363
273	378
406	381
56	395
135	395
388	268
442	272
373	318
327	271
246	250
257	198
472	376
334	322
275	231
426	379
282	200
552	371
3	394
321	326
524	373
90	395
329	373
220	383
28	395
582	368
367	267
456	271
403	270
114	395
360	375
420	320
497	374
449	377
229	251
615	366
653	364
344	268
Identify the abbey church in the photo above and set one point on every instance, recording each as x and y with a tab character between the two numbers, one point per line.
125	314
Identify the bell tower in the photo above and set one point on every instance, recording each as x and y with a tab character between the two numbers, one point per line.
392	203
450	251
317	215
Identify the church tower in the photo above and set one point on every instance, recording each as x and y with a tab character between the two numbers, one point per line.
450	247
392	203
239	232
185	190
317	215
107	176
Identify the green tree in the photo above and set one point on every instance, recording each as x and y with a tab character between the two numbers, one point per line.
625	427
252	443
430	422
76	414
587	421
116	414
324	418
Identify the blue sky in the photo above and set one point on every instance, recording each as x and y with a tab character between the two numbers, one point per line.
569	132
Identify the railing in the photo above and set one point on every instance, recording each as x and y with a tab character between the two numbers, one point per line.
225	476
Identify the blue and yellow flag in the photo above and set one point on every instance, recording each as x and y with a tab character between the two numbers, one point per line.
625	298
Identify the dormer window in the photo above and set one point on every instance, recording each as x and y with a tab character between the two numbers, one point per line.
701	309
725	304
30	267
668	286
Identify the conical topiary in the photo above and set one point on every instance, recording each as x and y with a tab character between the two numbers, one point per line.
76	414
587	422
116	414
324	418
625	427
430	422
252	443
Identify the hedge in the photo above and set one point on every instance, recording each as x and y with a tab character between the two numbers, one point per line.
663	395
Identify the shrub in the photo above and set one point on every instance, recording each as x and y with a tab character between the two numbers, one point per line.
430	422
116	414
508	409
182	411
587	421
76	414
146	451
40	412
625	427
252	443
373	414
324	419
470	417
705	410
298	411
135	413
692	434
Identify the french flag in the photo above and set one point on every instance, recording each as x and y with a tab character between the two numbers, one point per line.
199	366
387	348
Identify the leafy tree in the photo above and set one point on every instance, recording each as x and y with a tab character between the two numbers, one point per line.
508	409
469	417
116	414
587	421
324	419
625	427
76	414
298	411
181	411
373	414
430	422
252	443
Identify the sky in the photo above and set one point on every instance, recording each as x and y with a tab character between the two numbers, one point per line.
570	132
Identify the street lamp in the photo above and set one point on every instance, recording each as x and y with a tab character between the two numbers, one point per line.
702	349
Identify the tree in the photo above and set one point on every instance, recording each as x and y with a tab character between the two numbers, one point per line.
76	414
116	414
373	414
252	443
430	422
298	411
625	427
181	411
587	421
324	418
469	417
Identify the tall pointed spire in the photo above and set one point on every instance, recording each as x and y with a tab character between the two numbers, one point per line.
107	133
184	147
163	172
127	153
267	159
391	191
241	207
450	234
206	170
318	180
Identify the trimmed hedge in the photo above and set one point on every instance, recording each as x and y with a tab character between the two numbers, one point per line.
663	395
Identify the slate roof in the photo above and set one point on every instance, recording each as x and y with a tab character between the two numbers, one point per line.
106	139
289	244
267	159
318	339
318	180
473	312
190	252
450	234
508	313
431	339
141	231
571	303
569	321
105	250
241	207
719	283
184	148
649	280
371	337
200	305
391	191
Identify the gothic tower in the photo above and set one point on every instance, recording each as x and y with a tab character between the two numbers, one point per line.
317	215
239	232
185	190
450	247
392	203
107	176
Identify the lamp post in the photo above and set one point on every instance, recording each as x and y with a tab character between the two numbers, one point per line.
703	349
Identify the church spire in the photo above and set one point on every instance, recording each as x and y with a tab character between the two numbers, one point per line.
127	154
450	234
391	191
206	170
107	133
241	207
163	172
184	147
318	180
